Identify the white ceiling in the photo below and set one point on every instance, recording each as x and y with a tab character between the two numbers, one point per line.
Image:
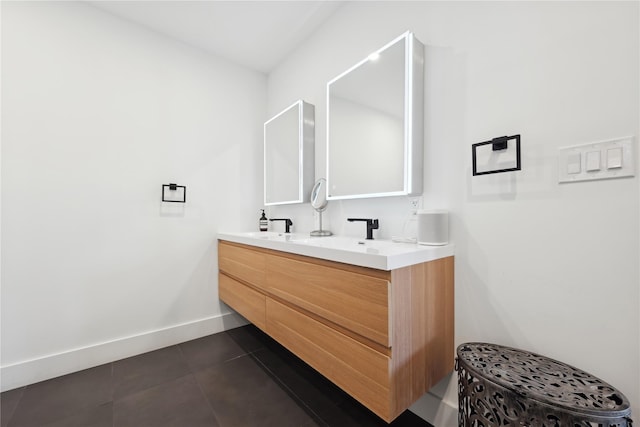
256	34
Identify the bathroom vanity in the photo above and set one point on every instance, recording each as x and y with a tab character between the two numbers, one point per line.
374	317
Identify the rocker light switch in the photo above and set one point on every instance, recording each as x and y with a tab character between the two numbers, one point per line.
574	163
593	161
614	158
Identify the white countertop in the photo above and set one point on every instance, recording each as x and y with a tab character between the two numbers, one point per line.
378	254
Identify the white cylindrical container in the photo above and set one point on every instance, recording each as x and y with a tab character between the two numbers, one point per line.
433	227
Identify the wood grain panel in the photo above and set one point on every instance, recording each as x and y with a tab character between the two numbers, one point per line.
446	275
422	352
403	365
437	333
242	263
381	274
356	368
355	301
246	301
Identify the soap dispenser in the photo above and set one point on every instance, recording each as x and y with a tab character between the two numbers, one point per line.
263	222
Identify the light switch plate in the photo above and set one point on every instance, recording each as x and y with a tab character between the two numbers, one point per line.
599	160
593	161
614	158
574	163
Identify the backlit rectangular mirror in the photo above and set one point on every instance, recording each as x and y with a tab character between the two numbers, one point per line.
375	124
289	155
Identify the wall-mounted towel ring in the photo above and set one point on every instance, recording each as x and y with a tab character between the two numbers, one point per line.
504	155
174	193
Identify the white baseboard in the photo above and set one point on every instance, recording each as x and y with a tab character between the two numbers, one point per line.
54	365
436	411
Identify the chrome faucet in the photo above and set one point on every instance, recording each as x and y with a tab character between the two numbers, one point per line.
372	224
287	223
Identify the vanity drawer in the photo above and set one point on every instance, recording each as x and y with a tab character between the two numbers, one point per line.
242	263
246	301
355	301
359	370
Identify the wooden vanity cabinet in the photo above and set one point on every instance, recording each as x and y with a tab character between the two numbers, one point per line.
385	337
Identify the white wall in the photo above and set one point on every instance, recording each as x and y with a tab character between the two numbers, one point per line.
541	266
97	114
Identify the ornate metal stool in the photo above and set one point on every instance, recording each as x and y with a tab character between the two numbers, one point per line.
503	386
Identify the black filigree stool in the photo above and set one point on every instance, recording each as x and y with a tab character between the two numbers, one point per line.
503	386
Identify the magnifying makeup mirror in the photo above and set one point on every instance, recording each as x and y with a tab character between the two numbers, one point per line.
319	203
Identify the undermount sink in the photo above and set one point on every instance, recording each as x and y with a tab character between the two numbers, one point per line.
348	243
268	235
379	254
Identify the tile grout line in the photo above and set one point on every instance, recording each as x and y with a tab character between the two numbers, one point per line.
290	392
113	396
279	381
13	411
202	393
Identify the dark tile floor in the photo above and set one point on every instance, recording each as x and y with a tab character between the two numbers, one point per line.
237	378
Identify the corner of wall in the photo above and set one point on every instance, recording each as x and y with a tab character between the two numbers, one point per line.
436	411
